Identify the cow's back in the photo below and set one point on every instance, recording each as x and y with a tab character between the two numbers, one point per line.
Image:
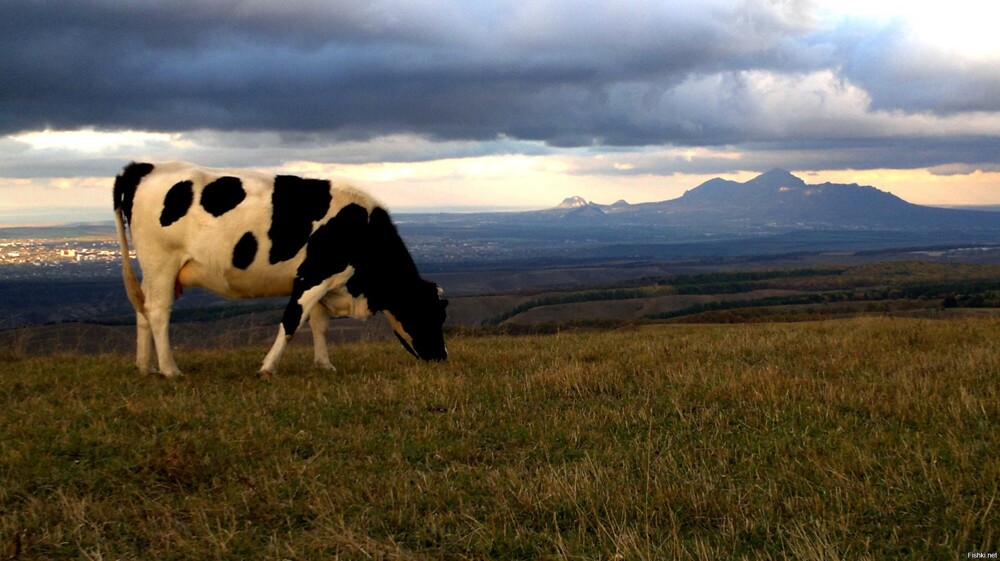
238	233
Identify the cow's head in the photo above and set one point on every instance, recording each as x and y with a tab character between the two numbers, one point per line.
417	321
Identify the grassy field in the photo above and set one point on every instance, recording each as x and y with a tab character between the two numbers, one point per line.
868	438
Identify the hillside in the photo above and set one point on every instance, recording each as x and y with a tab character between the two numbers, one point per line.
864	439
790	294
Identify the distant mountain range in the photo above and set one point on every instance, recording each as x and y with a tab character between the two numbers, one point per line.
779	200
775	213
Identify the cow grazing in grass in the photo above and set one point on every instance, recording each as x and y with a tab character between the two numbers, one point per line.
239	234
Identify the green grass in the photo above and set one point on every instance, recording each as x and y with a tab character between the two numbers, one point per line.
868	438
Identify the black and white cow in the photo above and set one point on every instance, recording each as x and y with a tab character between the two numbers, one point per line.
239	234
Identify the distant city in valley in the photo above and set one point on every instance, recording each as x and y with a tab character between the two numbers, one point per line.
82	250
48	253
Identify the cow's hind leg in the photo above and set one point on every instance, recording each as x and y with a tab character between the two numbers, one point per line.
300	307
144	344
159	301
319	320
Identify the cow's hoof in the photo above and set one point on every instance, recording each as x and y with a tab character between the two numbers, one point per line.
265	375
172	375
325	366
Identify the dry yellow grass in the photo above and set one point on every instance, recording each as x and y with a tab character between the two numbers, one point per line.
869	438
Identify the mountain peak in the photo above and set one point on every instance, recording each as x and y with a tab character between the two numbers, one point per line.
573	202
777	171
776	177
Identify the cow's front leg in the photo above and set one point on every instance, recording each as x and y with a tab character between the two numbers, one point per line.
319	320
300	306
270	365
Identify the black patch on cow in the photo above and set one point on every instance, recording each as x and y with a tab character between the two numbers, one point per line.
383	262
334	245
296	204
245	251
292	317
126	184
222	195
331	248
176	203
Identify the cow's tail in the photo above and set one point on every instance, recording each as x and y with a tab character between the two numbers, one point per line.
132	286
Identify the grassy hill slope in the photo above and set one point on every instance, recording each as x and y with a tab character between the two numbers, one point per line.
894	287
867	438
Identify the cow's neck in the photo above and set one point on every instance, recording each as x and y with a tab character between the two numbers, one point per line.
384	271
384	290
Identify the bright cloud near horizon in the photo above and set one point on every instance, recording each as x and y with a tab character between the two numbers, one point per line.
480	104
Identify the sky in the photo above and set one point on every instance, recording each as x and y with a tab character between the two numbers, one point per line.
467	104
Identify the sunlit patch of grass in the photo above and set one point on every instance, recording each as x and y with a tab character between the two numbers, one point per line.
868	438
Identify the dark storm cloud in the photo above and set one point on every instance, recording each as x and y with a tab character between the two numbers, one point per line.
543	71
756	74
